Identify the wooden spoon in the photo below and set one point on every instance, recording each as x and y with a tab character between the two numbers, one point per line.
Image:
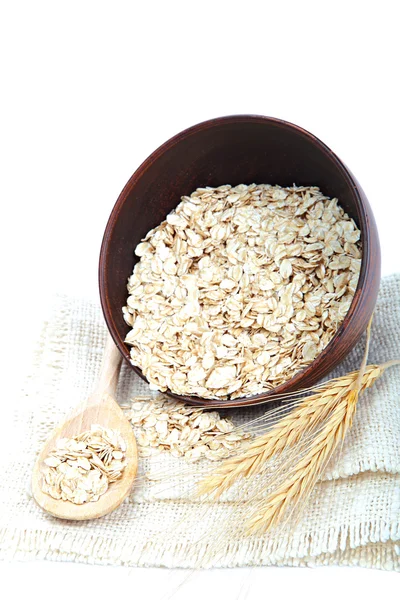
99	409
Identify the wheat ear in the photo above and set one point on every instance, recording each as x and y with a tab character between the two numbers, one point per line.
297	486
302	476
306	417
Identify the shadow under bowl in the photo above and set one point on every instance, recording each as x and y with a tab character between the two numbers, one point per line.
236	149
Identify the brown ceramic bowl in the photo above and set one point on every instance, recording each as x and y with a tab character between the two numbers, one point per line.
236	149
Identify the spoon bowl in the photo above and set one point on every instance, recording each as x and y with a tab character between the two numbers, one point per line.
99	409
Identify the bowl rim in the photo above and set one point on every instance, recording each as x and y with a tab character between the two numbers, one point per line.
267	395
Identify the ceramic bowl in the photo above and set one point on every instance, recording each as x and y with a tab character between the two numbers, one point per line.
236	149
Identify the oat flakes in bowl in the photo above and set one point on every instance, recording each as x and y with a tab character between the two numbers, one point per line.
240	288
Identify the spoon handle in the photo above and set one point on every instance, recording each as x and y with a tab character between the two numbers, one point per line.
110	368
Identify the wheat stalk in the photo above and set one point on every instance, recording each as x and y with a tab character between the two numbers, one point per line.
303	419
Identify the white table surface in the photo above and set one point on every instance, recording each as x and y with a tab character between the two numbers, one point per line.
89	90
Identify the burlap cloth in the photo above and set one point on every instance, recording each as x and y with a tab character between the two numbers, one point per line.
353	517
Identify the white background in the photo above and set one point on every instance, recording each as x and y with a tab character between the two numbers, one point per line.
89	89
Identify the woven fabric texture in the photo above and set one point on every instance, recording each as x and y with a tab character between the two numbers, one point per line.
352	518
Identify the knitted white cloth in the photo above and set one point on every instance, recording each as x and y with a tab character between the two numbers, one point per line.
353	517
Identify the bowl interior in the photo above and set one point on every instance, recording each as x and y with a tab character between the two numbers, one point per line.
232	150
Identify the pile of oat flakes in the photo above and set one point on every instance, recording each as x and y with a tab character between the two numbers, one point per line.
161	424
240	288
81	468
